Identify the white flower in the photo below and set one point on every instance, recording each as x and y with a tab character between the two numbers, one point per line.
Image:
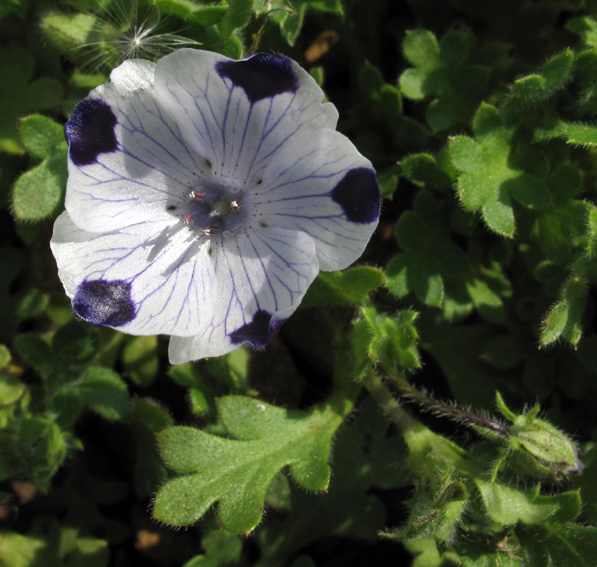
204	195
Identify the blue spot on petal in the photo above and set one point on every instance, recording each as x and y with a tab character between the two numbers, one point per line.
104	303
258	332
358	195
90	131
261	76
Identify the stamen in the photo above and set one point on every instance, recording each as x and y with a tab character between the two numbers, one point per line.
187	218
235	207
214	213
209	231
197	194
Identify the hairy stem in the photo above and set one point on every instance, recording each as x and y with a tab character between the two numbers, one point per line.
387	402
460	415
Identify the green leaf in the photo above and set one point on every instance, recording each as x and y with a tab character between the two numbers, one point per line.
187	10
48	544
443	71
490	177
289	16
68	31
392	340
563	544
442	494
347	288
29	303
347	509
20	95
148	419
33	448
37	194
75	343
388	181
429	258
565	317
504	351
486	301
41	136
36	352
584	26
5	356
533	89
508	506
140	359
423	168
11	389
237	472
420	48
105	393
221	549
237	15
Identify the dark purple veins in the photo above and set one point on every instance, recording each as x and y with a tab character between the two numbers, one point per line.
104	303
261	76
358	195
257	332
90	131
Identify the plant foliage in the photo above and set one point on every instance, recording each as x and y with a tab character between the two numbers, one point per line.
431	406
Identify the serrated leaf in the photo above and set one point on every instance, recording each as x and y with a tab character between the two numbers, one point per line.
488	174
236	473
348	288
429	255
347	509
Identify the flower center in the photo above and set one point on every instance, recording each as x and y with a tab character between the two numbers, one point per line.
214	211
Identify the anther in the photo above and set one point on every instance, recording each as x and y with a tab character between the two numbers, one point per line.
234	206
187	218
209	231
197	194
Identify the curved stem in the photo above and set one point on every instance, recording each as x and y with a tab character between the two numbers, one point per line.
387	402
451	411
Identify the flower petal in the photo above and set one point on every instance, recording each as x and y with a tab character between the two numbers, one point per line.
238	114
145	279
127	159
321	185
262	276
